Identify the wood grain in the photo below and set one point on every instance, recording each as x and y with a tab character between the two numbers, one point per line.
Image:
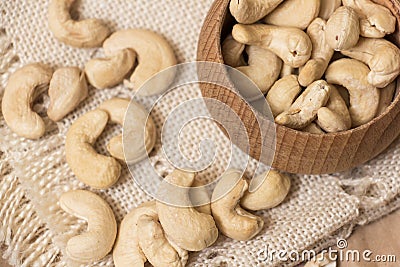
299	152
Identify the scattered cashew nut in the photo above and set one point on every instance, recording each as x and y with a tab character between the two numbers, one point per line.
292	45
154	54
320	56
386	97
382	57
250	11
23	86
232	52
68	88
91	168
304	109
283	14
98	240
327	8
108	72
85	33
364	97
231	219
270	193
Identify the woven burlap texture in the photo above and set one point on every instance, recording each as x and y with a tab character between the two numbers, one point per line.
34	174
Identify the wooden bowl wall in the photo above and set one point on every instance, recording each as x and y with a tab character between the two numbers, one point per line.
296	151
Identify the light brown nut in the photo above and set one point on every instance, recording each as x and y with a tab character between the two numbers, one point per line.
232	52
282	94
286	71
313	128
231	219
269	194
185	226
304	109
292	45
23	86
200	196
91	168
283	14
68	88
110	71
382	57
98	240
263	69
154	54
250	11
375	20
364	97
344	94
386	97
157	249
127	251
321	54
342	29
335	117
327	8
84	33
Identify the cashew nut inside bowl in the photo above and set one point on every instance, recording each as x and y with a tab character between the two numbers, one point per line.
250	11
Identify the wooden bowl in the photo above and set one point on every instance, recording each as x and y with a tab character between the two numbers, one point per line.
296	151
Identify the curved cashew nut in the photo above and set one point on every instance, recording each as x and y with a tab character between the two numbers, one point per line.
270	194
98	241
335	117
68	88
321	54
376	20
250	11
327	8
283	14
382	57
91	168
386	97
85	33
364	97
157	249
231	219
232	52
185	226
23	86
154	54
313	128
263	69
342	29
292	45
304	109
108	72
283	93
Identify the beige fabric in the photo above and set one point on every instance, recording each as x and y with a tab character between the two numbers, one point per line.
34	228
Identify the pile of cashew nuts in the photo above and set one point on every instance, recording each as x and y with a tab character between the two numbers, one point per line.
332	48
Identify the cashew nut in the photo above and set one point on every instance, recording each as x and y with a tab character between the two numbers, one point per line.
157	249
91	168
292	45
320	56
327	8
263	69
98	241
67	89
386	97
283	93
344	94
108	72
313	128
154	54
270	194
286	70
283	14
250	11
23	86
199	196
185	226
364	97
382	57
342	29
304	109
85	33
335	117
232	52
376	20
231	219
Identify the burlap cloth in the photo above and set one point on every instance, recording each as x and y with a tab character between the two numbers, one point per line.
33	174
